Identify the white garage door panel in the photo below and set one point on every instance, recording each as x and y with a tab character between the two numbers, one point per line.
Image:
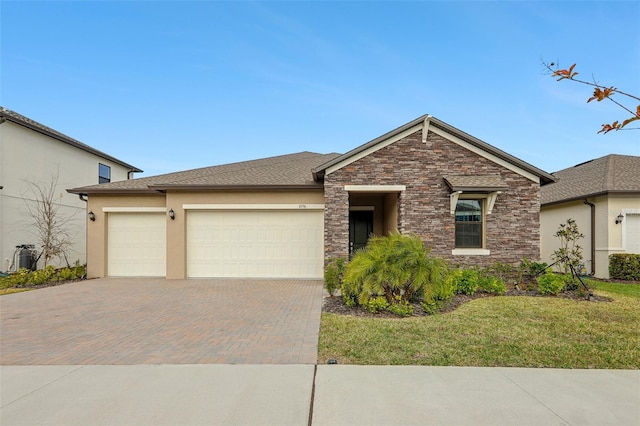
633	233
137	245
266	244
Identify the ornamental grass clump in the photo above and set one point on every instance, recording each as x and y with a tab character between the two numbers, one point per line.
396	267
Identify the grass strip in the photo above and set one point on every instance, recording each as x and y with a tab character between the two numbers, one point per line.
497	331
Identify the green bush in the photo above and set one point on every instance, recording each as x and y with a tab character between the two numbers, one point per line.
376	304
439	294
492	285
466	281
402	308
333	274
550	283
26	278
395	266
502	271
623	266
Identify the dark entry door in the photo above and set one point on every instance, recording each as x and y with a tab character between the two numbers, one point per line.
360	229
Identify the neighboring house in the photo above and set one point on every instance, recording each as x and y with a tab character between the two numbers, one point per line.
31	153
603	197
285	216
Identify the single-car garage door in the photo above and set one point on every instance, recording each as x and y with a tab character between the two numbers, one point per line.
632	236
136	245
261	244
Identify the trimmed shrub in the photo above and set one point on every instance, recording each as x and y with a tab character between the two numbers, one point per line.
550	283
439	294
376	304
623	266
26	278
492	285
401	308
333	274
528	270
466	281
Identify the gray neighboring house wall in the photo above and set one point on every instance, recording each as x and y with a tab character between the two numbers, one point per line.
31	152
285	216
603	197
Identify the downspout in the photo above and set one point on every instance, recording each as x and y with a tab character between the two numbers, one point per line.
593	235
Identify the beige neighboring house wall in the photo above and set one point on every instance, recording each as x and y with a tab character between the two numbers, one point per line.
33	153
612	183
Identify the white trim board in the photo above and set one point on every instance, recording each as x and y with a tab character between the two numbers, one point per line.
375	188
134	209
253	207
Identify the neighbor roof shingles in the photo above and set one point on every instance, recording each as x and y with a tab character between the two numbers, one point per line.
285	171
612	173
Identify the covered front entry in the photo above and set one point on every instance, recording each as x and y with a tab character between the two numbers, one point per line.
372	211
360	229
265	243
136	244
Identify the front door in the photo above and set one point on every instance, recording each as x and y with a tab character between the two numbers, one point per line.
360	229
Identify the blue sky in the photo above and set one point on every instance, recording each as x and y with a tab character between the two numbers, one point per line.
169	86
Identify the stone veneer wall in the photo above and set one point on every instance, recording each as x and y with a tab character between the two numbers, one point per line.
512	230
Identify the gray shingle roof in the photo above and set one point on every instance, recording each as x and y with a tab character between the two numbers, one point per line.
475	183
612	173
14	117
284	171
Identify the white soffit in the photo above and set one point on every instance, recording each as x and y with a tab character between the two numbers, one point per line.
134	209
375	188
485	154
374	148
253	206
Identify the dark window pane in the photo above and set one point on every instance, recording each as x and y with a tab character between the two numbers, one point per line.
104	173
469	224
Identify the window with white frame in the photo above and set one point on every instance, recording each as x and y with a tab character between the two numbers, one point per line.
469	223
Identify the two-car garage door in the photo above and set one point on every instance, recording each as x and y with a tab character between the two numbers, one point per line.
255	243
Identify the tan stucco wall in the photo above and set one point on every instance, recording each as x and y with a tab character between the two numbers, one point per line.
176	229
551	218
28	156
608	234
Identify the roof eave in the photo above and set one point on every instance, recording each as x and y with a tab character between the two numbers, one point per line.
478	188
111	191
545	178
319	171
69	141
198	188
582	197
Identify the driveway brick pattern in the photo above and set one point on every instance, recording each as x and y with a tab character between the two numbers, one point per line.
156	321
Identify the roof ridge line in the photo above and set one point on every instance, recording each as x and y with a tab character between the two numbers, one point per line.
610	173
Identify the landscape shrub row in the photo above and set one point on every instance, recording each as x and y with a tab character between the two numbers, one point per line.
395	272
624	266
27	278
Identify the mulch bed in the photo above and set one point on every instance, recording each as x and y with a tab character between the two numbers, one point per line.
335	305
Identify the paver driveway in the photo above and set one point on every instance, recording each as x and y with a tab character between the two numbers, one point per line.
158	321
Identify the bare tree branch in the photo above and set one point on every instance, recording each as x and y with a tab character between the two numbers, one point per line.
50	225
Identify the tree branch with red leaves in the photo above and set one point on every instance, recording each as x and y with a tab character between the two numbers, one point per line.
600	93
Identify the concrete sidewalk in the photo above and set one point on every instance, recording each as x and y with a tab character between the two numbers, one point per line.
225	394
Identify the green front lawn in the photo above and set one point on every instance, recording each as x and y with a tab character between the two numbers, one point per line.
509	331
